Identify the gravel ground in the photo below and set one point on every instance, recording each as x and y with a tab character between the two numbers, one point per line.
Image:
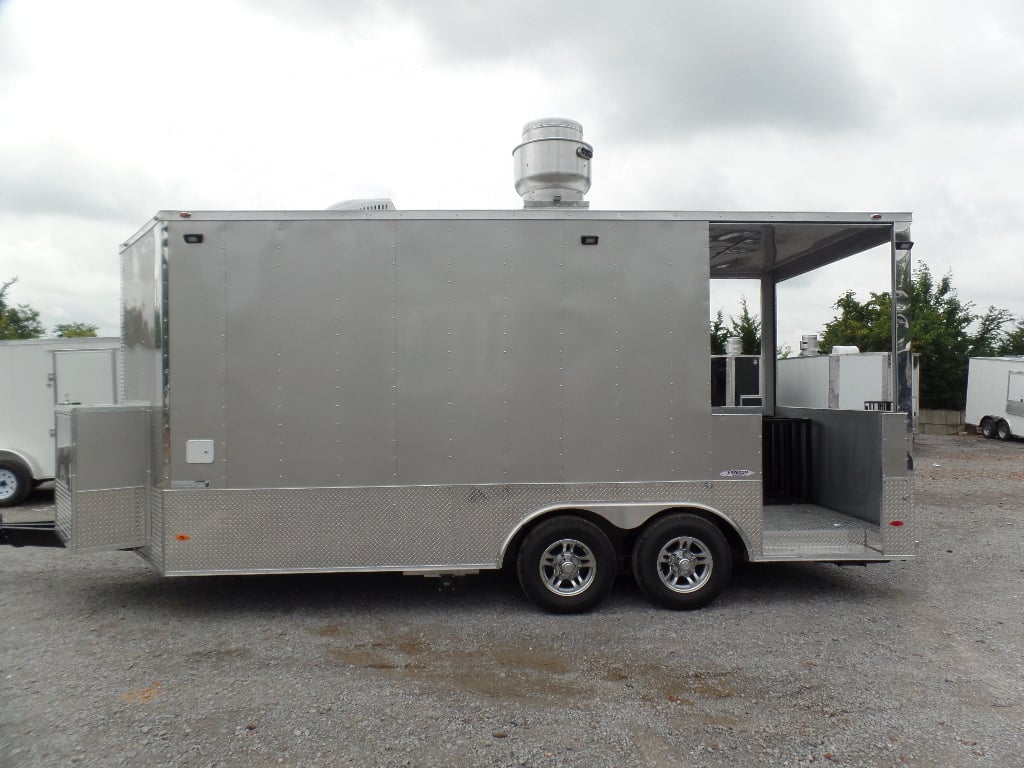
914	663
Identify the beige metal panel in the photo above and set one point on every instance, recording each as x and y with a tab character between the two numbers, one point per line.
734	453
360	367
531	345
443	342
309	354
319	353
196	285
110	447
636	377
141	319
479	382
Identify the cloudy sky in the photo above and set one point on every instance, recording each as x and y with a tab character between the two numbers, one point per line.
110	111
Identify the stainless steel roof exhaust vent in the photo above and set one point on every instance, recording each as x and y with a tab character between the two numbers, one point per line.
553	164
809	345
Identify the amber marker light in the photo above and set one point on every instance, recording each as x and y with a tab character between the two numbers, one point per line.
182	537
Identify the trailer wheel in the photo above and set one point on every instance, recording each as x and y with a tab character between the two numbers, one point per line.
988	428
15	482
566	565
1003	430
682	562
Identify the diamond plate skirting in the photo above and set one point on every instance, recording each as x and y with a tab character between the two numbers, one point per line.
898	506
398	528
64	511
154	553
107	519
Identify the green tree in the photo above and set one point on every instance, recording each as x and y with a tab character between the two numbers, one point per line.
748	328
1013	341
719	333
944	330
863	325
20	322
74	330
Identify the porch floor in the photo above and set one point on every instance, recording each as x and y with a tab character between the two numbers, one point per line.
813	532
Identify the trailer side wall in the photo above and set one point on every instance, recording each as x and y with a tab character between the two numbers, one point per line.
442	352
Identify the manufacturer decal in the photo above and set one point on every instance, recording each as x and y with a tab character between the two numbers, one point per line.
190	483
737	473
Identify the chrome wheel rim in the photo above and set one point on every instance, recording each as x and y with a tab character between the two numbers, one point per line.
685	564
8	484
568	567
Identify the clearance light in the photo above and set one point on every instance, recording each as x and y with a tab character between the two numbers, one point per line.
896	523
182	537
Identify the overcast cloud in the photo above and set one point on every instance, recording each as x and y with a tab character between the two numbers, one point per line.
113	110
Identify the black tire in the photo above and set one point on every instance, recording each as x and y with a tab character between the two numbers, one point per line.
15	482
1003	431
682	561
578	546
988	427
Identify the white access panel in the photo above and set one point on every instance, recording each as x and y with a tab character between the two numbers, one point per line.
85	377
861	378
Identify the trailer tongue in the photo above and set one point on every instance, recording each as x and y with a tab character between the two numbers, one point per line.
442	392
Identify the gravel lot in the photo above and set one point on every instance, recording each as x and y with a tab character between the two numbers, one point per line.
915	663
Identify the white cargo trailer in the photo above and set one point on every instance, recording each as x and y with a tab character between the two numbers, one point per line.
35	376
846	381
442	392
995	396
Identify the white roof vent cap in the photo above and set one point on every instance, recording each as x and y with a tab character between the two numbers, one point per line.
378	204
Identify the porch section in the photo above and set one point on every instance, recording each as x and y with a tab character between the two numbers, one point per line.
824	482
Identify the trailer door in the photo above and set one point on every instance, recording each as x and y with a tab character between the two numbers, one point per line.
1015	393
85	377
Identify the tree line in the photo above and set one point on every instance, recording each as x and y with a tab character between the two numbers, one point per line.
22	321
945	330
